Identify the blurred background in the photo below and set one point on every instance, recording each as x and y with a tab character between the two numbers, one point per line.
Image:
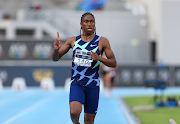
144	35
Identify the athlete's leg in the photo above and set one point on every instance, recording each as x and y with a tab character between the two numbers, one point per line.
89	118
108	84
76	99
91	104
75	111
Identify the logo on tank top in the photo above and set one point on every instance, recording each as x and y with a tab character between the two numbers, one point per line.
92	45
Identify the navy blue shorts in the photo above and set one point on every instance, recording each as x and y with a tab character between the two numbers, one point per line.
89	96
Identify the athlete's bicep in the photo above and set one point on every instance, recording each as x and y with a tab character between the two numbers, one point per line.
109	54
107	49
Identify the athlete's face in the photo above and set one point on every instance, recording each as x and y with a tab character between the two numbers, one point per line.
88	24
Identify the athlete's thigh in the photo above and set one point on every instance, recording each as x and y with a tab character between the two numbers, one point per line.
91	100
76	93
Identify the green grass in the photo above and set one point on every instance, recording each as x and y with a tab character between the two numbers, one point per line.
161	115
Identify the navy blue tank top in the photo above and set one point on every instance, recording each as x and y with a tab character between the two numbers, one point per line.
84	69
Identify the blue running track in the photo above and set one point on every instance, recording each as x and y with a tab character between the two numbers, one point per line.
35	106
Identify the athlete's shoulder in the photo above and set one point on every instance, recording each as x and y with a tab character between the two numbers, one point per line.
104	40
71	39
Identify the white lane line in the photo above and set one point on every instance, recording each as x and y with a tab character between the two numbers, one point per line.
12	98
29	109
6	100
125	111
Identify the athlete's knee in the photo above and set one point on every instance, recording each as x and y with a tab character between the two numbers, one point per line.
74	113
89	121
75	109
89	118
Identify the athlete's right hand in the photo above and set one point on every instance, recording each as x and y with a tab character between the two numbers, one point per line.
57	42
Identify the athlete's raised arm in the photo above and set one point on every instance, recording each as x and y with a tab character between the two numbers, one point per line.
60	51
110	61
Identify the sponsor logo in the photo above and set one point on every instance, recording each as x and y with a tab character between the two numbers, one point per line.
39	74
138	76
126	76
18	50
151	74
92	45
42	50
1	50
3	76
164	75
177	76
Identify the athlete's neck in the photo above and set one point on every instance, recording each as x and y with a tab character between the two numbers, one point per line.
87	36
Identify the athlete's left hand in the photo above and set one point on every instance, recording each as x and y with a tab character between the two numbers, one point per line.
94	56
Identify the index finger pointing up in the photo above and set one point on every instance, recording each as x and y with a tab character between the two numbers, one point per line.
58	35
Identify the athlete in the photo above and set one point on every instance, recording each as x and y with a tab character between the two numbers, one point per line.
108	75
87	50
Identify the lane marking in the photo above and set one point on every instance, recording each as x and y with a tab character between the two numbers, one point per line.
14	97
125	111
29	109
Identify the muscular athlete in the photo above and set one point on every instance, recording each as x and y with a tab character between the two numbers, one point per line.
87	50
